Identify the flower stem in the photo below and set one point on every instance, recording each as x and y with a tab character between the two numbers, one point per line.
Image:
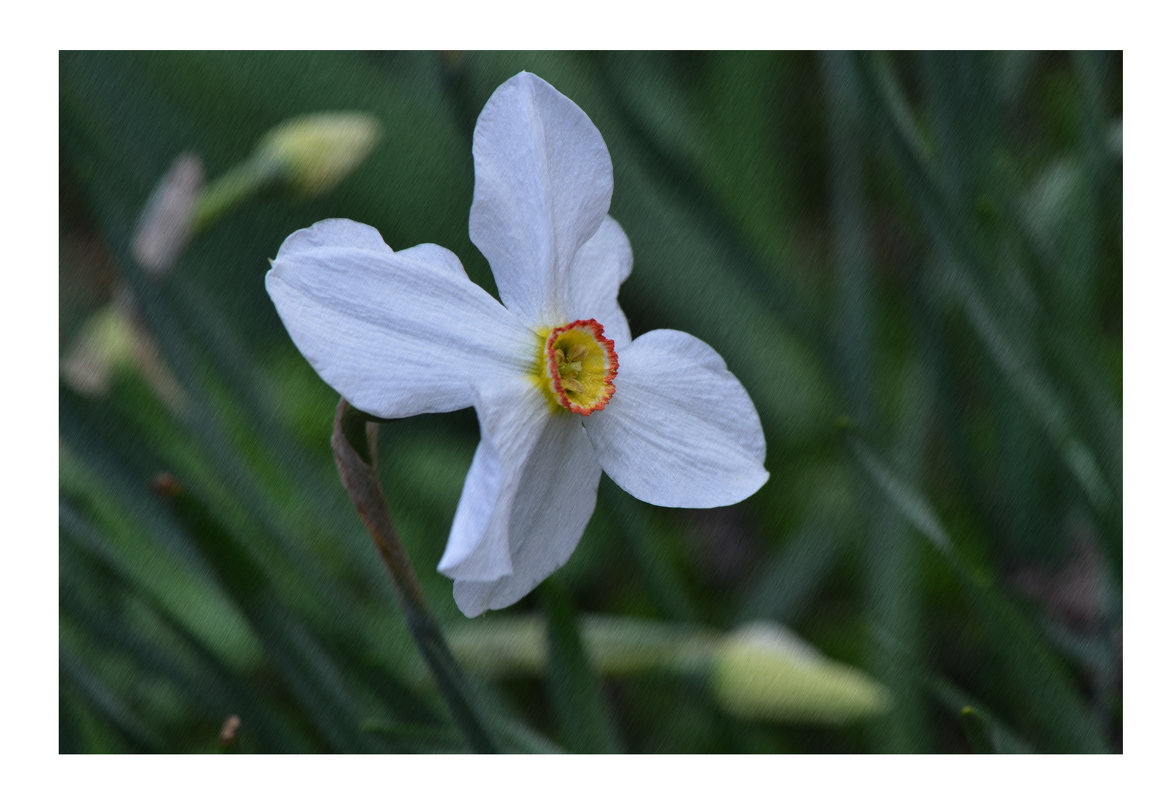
239	183
355	443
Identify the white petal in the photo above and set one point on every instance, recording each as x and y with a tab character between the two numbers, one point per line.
592	286
543	186
336	233
396	334
473	550
512	415
541	469
680	429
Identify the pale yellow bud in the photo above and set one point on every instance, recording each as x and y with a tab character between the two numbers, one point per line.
763	671
319	150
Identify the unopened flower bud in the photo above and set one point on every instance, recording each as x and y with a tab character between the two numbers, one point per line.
318	150
167	221
764	672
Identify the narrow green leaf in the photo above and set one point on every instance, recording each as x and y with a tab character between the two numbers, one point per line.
106	701
408	738
581	708
952	231
985	732
166	646
977	729
1047	692
788	583
308	669
633	526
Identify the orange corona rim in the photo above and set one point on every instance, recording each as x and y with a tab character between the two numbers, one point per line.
580	366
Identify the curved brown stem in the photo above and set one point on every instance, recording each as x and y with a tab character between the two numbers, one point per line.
355	446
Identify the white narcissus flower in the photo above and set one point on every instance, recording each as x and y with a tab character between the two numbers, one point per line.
561	390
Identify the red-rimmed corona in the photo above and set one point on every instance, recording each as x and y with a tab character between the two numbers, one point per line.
578	367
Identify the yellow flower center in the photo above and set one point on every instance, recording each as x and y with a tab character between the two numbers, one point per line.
576	367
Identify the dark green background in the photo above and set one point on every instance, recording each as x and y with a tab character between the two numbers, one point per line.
912	262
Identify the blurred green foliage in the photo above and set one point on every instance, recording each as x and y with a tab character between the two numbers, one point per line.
912	262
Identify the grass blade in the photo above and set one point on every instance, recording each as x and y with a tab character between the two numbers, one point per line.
1049	697
575	691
